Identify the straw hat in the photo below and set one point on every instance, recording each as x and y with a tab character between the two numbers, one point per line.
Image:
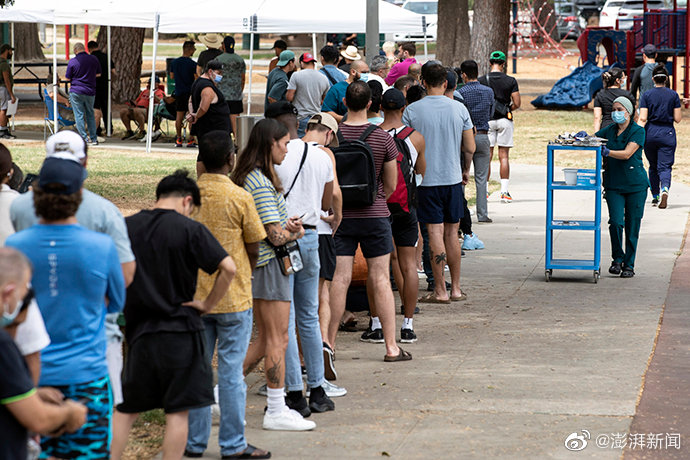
211	40
352	53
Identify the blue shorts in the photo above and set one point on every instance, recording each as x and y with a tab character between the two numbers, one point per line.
440	204
92	440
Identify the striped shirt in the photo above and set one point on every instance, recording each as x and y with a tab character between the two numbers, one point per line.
269	204
384	149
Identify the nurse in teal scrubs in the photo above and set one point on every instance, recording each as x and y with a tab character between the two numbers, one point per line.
625	183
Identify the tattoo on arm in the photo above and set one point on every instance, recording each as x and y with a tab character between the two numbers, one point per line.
273	372
440	258
277	237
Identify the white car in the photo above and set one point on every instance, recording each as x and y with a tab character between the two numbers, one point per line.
625	10
426	8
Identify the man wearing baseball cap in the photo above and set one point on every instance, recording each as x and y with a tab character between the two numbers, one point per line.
213	43
6	87
506	100
277	82
306	90
278	47
642	76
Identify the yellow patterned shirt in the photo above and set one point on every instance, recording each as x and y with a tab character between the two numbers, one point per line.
229	213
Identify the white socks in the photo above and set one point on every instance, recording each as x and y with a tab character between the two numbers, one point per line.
275	400
407	323
504	185
375	323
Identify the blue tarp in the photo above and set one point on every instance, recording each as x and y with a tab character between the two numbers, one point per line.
574	91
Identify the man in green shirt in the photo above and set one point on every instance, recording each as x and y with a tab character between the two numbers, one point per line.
277	83
6	87
232	84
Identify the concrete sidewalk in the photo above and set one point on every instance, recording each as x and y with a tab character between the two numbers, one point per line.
516	369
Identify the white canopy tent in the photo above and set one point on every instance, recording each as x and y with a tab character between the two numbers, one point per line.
175	16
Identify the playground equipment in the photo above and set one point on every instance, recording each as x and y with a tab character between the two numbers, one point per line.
537	28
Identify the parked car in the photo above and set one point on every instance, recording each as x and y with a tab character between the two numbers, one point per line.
624	11
567	20
426	8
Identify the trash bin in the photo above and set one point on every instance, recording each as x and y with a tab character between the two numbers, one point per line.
245	123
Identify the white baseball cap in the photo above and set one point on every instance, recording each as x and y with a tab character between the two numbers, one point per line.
66	145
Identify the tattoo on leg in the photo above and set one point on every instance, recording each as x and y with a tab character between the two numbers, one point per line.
273	372
440	258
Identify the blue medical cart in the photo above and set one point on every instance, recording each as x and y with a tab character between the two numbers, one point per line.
580	225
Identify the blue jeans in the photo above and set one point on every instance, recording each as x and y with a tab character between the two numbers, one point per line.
231	332
82	106
305	308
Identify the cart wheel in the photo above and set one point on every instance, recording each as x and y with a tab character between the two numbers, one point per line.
547	275
596	276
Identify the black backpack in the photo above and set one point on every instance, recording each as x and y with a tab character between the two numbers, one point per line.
354	164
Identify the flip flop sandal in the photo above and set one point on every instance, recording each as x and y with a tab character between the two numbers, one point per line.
402	356
462	296
431	298
249	452
350	326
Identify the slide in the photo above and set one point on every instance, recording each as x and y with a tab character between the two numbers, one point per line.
574	91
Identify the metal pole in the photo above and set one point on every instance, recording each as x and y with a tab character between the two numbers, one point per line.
426	51
686	68
12	44
313	47
152	86
55	88
252	24
109	116
515	26
372	30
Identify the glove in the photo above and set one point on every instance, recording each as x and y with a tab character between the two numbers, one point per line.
605	151
581	134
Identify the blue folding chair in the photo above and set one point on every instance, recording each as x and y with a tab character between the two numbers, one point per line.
48	120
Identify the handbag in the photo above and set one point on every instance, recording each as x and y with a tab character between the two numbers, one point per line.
288	256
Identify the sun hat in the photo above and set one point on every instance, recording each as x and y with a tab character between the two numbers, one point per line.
351	52
211	40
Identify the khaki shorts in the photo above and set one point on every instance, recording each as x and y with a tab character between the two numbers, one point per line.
501	132
4	98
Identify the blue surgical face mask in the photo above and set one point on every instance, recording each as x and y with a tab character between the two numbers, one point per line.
8	318
217	78
618	117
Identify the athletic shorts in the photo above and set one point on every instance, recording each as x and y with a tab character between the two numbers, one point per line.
372	234
440	204
327	257
92	440
167	370
501	133
101	100
235	107
4	98
269	283
404	228
181	102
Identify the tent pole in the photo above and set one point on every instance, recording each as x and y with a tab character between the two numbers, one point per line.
55	88
12	44
152	87
109	117
371	48
426	51
251	70
313	47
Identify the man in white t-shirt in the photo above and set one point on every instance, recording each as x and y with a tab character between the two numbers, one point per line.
378	70
306	91
307	178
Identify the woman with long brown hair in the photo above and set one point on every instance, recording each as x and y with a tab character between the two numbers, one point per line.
267	146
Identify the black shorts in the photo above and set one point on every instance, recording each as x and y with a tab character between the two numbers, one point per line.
440	204
326	257
100	102
235	107
181	102
167	370
373	234
404	227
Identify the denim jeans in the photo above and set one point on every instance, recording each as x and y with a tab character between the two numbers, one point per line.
305	309
302	126
231	332
82	106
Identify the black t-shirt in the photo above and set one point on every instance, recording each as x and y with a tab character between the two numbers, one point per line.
170	249
503	85
207	55
604	99
102	81
15	383
218	114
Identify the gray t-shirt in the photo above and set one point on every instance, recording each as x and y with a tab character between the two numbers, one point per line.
233	70
276	85
441	121
310	88
646	82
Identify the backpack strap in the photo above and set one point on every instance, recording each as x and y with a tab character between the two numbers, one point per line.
329	76
341	138
366	132
405	133
304	157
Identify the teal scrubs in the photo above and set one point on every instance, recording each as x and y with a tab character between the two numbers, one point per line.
626	183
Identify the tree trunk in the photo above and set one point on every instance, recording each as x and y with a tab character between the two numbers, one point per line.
126	54
453	35
26	43
490	30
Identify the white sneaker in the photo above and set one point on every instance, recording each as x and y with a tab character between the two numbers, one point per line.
287	420
156	135
332	390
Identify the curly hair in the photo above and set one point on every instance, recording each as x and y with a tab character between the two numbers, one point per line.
51	206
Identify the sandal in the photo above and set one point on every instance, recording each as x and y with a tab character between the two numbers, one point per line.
431	298
349	326
249	452
462	296
401	356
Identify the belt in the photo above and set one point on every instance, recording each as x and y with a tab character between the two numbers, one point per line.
482	131
309	227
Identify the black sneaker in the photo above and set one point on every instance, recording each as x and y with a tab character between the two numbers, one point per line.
319	402
193	454
128	135
329	366
296	401
627	272
407	336
402	310
6	135
372	335
615	268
